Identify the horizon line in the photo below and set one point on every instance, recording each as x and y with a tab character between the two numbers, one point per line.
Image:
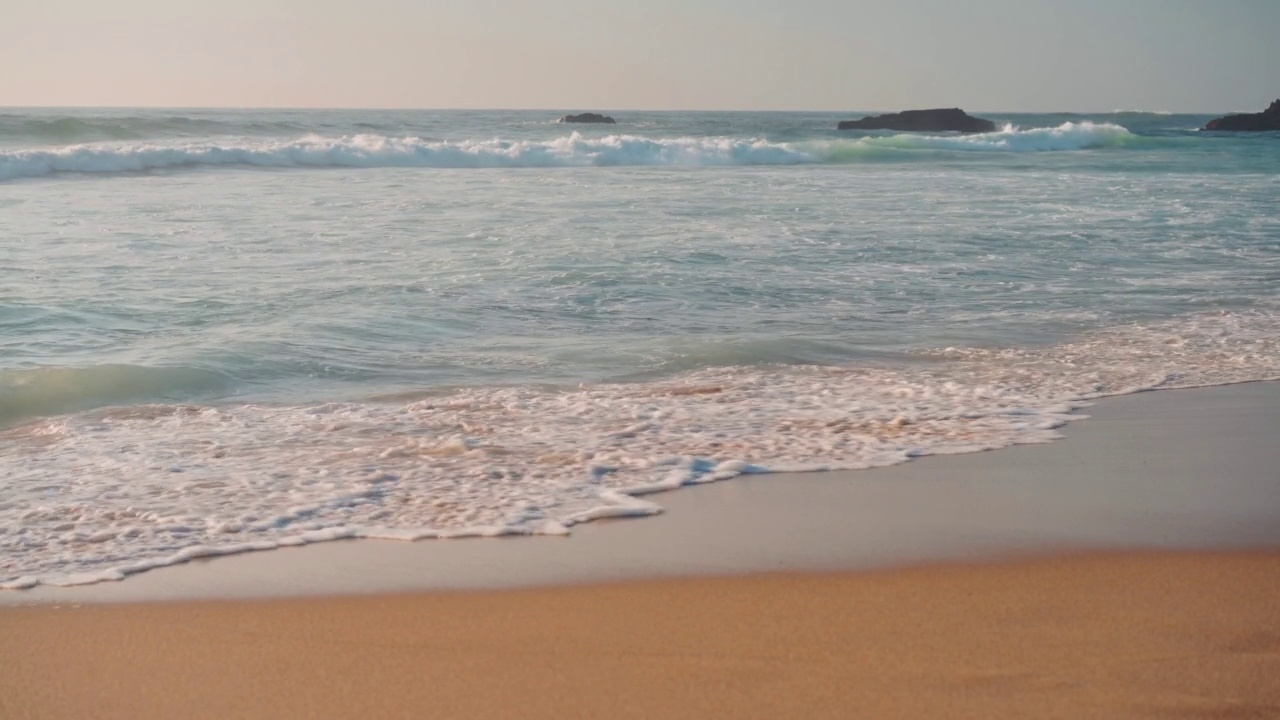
406	108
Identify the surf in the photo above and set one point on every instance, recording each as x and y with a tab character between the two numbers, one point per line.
159	485
368	151
1069	136
574	150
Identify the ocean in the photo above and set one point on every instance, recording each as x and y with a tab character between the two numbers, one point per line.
224	330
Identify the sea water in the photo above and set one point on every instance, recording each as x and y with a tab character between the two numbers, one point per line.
224	331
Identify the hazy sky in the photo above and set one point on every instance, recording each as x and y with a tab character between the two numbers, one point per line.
1179	55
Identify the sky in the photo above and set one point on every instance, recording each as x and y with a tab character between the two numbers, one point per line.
996	55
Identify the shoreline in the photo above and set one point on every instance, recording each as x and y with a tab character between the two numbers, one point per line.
1187	469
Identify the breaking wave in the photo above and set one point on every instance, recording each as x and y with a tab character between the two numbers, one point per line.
40	392
383	151
1068	136
575	150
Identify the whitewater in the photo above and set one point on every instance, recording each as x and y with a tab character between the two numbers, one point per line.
226	331
380	151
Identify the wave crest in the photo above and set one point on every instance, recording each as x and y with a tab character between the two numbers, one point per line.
1068	136
40	392
383	151
574	150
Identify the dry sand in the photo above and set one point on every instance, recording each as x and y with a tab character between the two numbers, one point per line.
1107	636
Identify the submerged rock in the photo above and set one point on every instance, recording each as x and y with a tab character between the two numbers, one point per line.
938	120
587	118
1268	119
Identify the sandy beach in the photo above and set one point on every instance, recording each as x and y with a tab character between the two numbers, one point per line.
758	360
1115	636
1127	571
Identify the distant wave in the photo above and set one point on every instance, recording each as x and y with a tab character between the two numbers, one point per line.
383	151
68	129
1068	136
573	150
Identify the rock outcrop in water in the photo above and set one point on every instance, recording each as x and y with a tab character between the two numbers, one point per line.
587	118
938	120
1268	119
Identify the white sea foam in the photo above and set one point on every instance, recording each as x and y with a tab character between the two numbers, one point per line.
570	151
102	495
383	151
1068	136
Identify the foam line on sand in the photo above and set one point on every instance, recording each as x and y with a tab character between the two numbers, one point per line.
1185	469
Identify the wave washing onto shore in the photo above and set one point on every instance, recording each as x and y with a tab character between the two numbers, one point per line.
574	150
148	486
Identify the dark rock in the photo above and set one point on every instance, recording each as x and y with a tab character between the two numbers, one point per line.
940	120
1268	119
587	118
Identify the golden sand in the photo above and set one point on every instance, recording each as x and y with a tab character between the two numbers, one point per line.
1114	636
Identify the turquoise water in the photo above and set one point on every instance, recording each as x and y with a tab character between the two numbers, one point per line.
231	330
